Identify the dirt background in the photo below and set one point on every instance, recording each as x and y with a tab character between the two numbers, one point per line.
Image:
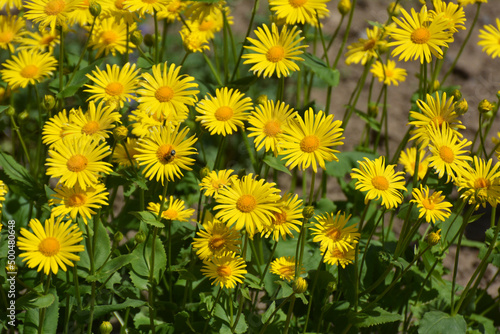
476	74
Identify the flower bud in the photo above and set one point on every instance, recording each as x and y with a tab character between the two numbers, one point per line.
485	106
23	116
149	40
373	110
49	102
299	285
118	237
11	269
461	107
308	211
95	8
120	133
106	327
436	85
393	9
10	111
433	238
331	286
344	7
204	172
262	99
457	94
140	237
136	38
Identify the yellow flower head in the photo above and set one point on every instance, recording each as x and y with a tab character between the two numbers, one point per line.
43	41
366	49
11	31
408	159
145	6
285	267
338	256
28	68
110	36
125	152
431	205
488	39
288	218
50	13
451	12
388	73
172	209
299	11
53	130
215	239
215	181
330	231
172	10
226	270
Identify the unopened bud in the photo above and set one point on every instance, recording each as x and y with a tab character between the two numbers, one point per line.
106	327
262	99
393	9
136	38
373	110
344	7
149	40
461	107
140	237
331	286
120	132
10	111
299	285
435	85
457	95
485	106
95	8
23	116
433	238
48	102
118	237
204	172
308	212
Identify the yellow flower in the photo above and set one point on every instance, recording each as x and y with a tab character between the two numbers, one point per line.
388	73
166	153
365	49
379	181
9	5
285	267
417	37
172	10
172	209
408	160
248	203
274	52
28	68
330	231
215	181
11	31
43	41
226	270
49	13
81	15
470	2
481	182
194	41
207	27
50	246
288	218
167	93
432	205
124	158
77	161
3	191
114	84
225	112
215	239
299	11
110	36
76	201
145	6
311	141
451	12
198	10
339	256
117	10
53	130
488	39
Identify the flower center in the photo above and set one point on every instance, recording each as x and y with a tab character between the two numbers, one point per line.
150	1
164	154
224	113
54	7
275	54
420	36
6	37
389	73
280	218
90	128
170	214
272	128
216	184
428	203
77	200
174	6
380	183
77	163
338	253
481	183
216	242
164	94
46	40
297	3
246	203
119	4
114	88
109	36
224	270
49	246
438	120
369	44
309	143
287	270
29	71
446	154
333	234
207	25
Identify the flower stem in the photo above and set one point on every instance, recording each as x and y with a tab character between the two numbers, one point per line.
346	34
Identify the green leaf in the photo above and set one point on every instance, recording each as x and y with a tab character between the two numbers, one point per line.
32	318
328	75
100	253
148	217
347	161
437	322
276	164
20	176
140	268
269	311
286	290
102	310
3	108
34	300
375	317
242	326
79	79
112	266
403	212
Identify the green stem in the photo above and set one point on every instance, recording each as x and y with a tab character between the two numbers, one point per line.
157	52
313	288
264	327
289	315
43	310
83	52
212	69
346	34
16	130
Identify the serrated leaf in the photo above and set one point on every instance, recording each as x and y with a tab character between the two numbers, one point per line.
140	268
322	71
276	164
100	254
374	317
147	217
114	265
437	322
32	317
33	300
285	291
269	311
241	326
19	175
245	293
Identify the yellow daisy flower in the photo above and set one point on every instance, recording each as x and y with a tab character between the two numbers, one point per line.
194	41
339	256
198	10
437	111
470	2
50	246
379	181
11	31
225	112
311	141
172	209
114	84
388	73
488	39
226	270
299	11
27	68
78	161
166	153
96	123
145	6
330	231
49	13
215	239
365	49
110	36
431	205
285	267
448	152
43	41
206	27
81	15
417	37
408	159
217	180
481	182
143	123
267	124
166	92
288	218
274	51
172	11
3	191
248	203
117	10
53	130
10	5
76	201
121	157
451	12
